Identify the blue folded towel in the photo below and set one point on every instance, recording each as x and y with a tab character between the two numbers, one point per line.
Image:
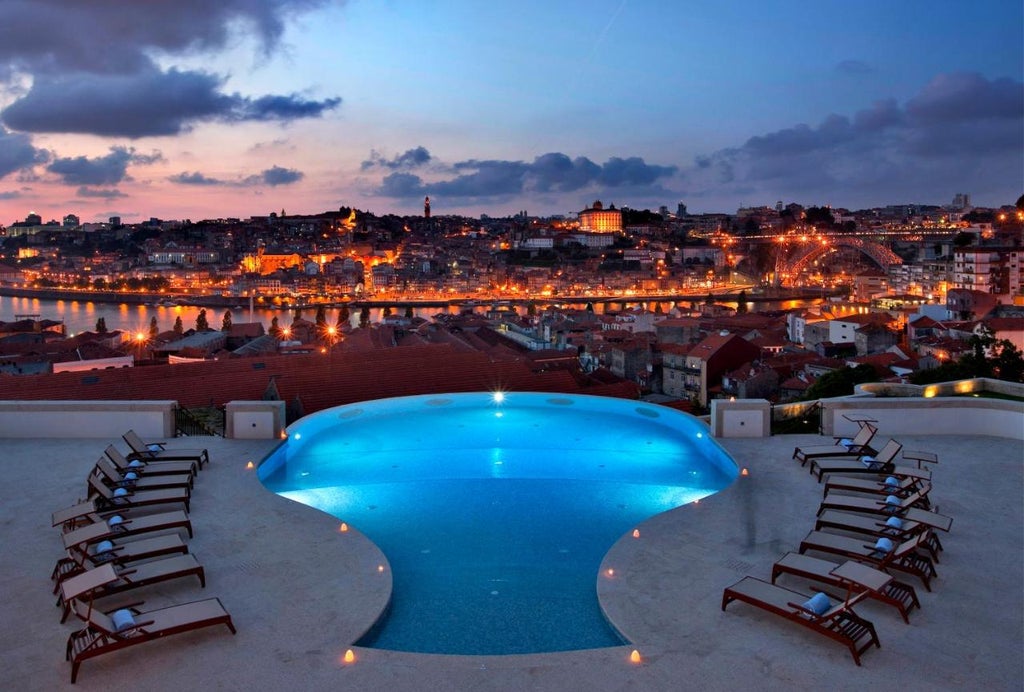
894	523
818	604
883	545
846	442
122	619
154	448
869	461
891	481
131	476
135	463
120	492
104	547
892	500
115	520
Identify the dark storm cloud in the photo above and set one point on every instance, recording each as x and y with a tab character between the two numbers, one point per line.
409	159
100	193
102	170
960	133
94	71
548	173
17	153
53	37
145	104
273	176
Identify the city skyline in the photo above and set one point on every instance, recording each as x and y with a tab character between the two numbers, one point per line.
254	106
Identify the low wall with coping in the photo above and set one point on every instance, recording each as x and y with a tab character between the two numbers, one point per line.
254	420
86	419
942	415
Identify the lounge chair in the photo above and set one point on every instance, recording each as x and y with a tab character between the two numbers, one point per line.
887	485
106	632
896	528
823	613
125	525
874	504
163	468
82	556
120	498
882	463
859	444
883	554
155	451
895	593
107	579
132	480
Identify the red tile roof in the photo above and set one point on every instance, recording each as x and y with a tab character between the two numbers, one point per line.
321	380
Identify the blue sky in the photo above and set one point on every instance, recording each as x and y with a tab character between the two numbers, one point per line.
188	109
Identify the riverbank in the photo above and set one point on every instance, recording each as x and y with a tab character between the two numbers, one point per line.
222	301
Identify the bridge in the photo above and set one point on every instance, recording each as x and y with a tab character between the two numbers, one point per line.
791	262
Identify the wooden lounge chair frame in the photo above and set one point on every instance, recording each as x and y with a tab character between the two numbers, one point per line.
875	527
103	529
873	504
882	463
107	580
859	444
144	451
162	468
839	623
79	558
903	557
115	479
899	595
104	497
100	636
872	485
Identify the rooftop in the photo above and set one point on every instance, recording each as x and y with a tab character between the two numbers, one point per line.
301	592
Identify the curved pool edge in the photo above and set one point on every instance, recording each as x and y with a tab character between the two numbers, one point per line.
364	582
628	587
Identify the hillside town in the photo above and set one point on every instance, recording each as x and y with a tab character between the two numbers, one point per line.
675	307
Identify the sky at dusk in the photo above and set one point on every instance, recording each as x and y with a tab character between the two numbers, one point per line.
196	109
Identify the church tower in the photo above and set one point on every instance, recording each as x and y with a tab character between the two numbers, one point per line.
426	208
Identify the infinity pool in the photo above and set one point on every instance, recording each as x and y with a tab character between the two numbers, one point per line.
495	511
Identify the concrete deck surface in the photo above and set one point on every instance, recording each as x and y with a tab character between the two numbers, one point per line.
300	591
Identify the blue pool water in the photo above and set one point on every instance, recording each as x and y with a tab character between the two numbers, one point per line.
495	516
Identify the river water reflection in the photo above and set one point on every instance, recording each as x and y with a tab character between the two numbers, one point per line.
79	315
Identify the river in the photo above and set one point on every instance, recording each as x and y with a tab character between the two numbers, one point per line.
79	315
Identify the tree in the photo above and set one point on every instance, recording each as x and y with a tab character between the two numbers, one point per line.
408	312
101	325
1008	363
321	318
840	382
225	325
179	328
154	330
364	317
387	311
741	303
1020	203
201	322
343	314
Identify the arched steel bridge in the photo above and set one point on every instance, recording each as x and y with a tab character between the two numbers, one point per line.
881	255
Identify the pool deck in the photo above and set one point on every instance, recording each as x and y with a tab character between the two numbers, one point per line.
300	591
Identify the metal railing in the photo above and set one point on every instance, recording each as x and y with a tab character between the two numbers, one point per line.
204	421
796	417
